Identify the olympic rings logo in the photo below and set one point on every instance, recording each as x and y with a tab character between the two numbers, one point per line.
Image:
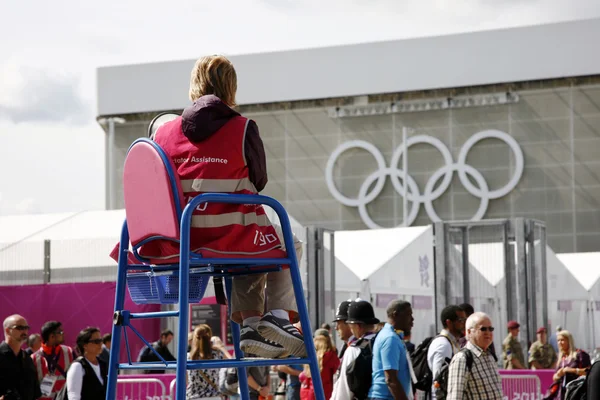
431	193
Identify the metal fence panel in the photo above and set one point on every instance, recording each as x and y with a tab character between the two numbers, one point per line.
521	387
141	388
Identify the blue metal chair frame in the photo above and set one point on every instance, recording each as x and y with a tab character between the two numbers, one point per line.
227	267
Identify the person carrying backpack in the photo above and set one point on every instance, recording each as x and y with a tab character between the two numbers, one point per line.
443	347
392	372
354	381
480	379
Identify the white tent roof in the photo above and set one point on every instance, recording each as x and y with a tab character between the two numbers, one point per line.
487	259
366	251
78	240
63	226
585	267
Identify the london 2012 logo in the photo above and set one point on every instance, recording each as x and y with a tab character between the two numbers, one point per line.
431	192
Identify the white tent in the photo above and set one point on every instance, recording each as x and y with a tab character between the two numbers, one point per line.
387	264
79	246
580	313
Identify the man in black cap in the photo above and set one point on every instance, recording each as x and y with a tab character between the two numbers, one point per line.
362	321
342	328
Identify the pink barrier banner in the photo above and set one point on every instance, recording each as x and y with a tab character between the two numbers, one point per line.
144	387
76	306
522	390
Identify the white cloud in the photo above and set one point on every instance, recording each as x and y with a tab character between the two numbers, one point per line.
50	51
45	95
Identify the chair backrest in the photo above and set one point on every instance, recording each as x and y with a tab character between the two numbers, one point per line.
152	193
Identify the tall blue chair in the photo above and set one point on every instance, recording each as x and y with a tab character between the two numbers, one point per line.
155	211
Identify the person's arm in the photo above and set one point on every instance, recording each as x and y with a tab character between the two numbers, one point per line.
288	370
255	157
514	360
391	356
534	355
167	354
394	385
223	351
535	365
75	381
516	363
252	384
440	349
457	377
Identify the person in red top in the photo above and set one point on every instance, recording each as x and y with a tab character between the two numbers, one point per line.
329	363
215	149
53	360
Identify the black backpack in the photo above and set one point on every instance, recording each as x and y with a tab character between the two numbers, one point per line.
420	367
360	371
577	389
441	379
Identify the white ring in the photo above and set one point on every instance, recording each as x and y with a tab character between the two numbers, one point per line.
519	164
331	163
483	204
362	207
431	193
438	144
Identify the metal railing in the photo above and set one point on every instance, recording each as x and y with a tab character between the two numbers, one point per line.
521	387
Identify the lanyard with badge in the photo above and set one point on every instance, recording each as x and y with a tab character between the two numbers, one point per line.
48	382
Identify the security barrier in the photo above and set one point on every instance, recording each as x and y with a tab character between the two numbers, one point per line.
521	387
141	389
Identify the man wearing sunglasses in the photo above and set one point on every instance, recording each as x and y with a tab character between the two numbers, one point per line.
17	374
53	360
479	380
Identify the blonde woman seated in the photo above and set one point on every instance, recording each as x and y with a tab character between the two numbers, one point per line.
203	383
572	363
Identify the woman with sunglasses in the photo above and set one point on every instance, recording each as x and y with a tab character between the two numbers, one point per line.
87	377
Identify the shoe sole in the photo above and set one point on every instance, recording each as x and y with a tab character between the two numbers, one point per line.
292	344
261	349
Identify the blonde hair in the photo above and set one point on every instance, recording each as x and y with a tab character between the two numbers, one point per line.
572	352
214	75
323	344
201	344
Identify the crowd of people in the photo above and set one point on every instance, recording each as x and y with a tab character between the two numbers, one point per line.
375	361
48	369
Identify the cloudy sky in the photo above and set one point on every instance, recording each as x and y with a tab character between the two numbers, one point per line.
51	148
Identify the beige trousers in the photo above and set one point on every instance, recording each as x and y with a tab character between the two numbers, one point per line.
248	291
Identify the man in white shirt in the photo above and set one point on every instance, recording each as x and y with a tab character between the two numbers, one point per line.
362	321
446	344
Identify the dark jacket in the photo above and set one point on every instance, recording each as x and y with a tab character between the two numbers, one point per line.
17	374
207	115
593	382
148	356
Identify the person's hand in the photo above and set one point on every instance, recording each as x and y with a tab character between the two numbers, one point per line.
219	347
560	373
264	391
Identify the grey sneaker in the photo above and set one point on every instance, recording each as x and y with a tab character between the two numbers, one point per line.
284	332
253	343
